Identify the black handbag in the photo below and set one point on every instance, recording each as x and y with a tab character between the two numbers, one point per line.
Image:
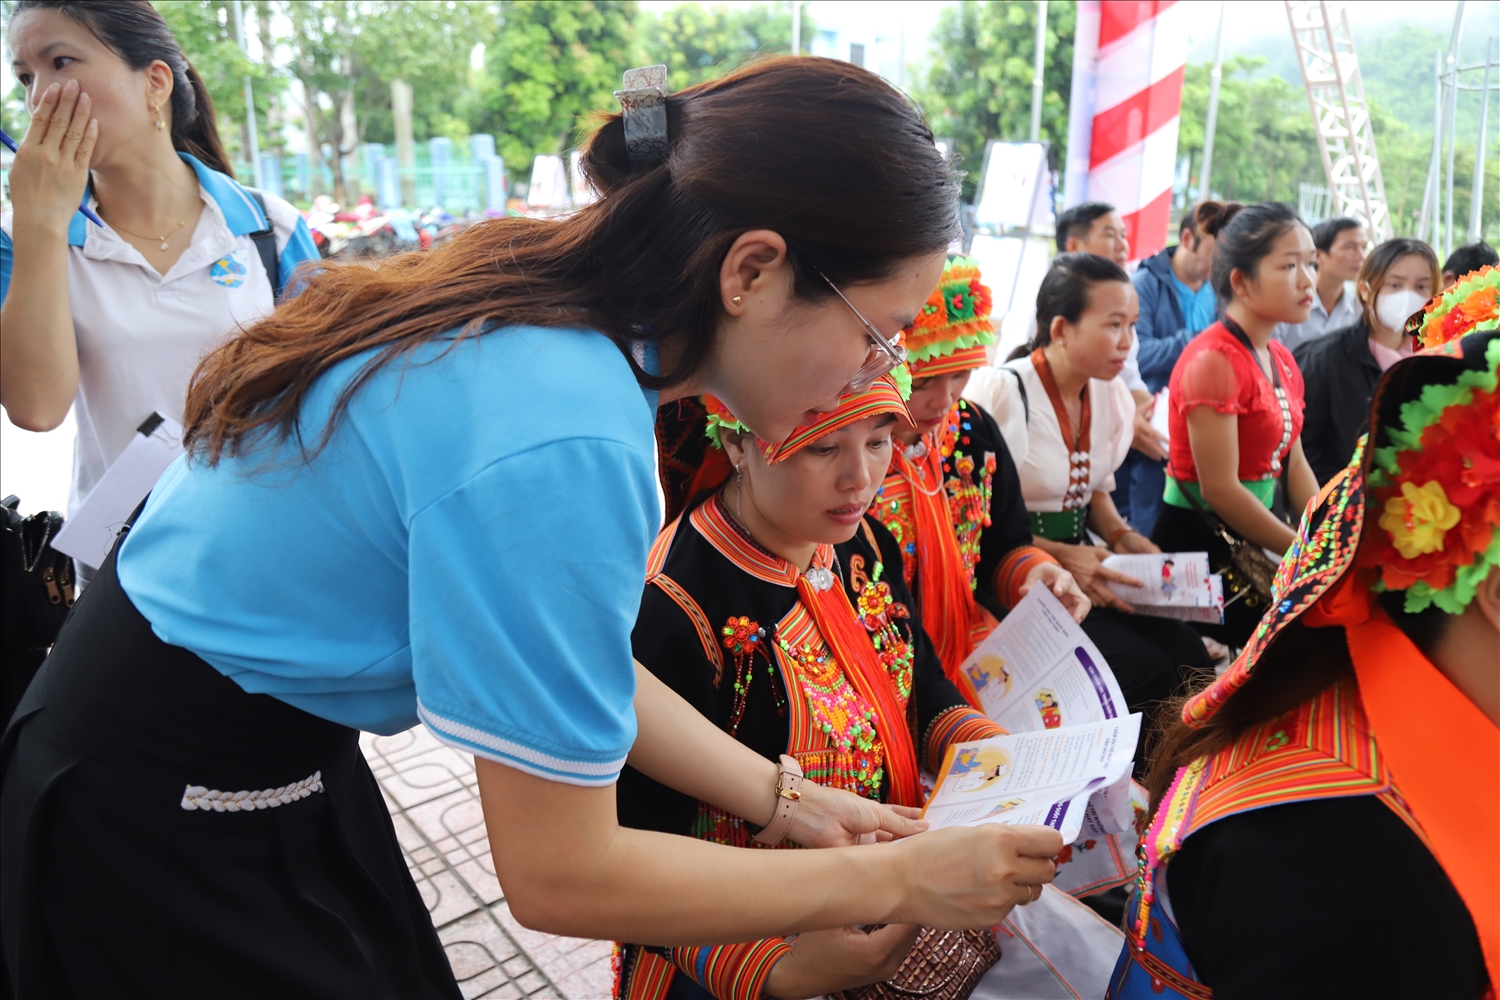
37	580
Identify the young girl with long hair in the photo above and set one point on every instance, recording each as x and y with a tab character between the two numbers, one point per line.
1237	400
1068	419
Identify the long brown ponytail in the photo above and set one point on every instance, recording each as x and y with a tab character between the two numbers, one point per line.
829	155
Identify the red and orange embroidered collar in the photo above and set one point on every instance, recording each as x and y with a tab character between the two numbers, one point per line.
714	523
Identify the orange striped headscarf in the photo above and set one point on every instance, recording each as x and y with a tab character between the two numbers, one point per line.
882	397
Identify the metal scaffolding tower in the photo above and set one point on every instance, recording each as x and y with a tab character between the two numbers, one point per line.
1336	94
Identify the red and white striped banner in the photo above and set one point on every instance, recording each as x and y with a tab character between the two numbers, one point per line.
1128	61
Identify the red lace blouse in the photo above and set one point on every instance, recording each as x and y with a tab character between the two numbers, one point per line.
1216	370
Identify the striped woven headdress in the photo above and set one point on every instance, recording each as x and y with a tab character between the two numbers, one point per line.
883	397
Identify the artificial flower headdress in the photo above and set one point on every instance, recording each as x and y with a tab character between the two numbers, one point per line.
1430	485
953	329
1435	489
888	394
1469	306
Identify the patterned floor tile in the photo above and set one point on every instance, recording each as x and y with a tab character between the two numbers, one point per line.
430	791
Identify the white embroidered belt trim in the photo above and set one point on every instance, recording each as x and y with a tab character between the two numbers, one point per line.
196	797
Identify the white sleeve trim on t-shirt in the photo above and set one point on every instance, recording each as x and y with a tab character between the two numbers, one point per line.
518	755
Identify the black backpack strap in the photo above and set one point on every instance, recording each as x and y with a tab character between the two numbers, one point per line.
265	242
1020	384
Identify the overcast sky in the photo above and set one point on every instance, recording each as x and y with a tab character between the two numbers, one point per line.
1246	22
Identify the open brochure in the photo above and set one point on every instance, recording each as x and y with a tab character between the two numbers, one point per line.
1067	761
1075	780
1173	585
1038	670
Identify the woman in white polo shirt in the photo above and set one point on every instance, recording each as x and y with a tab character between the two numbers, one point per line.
111	320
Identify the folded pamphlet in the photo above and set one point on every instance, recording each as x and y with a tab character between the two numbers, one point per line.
1161	413
1173	585
1068	759
1075	779
89	532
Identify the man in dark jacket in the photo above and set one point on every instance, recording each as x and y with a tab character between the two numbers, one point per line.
1176	303
1339	373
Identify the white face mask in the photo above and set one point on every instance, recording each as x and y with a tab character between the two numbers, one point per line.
1394	308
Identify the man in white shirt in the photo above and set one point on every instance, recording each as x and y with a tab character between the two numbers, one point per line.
1341	245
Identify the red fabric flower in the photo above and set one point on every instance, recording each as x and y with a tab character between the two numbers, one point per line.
1460	450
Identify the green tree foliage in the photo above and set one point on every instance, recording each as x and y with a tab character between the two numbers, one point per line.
426	44
324	61
1264	142
1281	151
700	43
979	84
551	65
204	30
1397	71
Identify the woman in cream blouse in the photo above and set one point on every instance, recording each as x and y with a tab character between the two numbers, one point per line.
1068	421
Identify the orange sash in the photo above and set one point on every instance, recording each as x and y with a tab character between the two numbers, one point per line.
949	612
1445	757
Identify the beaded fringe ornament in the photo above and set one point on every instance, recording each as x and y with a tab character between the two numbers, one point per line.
744	639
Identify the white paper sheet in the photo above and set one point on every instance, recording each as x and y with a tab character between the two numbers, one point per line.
1054	949
1038	670
90	530
1174	585
1075	780
1160	413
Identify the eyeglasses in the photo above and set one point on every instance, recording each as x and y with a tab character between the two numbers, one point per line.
884	354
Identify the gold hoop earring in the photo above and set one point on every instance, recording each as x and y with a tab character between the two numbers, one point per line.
159	123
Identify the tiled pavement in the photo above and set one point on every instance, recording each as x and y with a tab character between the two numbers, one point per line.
430	789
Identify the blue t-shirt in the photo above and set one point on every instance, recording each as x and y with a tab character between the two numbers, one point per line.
469	550
1198	308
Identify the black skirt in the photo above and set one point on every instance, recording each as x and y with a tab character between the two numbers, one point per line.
163	833
1181	530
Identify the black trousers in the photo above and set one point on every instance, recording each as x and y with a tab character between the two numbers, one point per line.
1180	530
110	886
1152	658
